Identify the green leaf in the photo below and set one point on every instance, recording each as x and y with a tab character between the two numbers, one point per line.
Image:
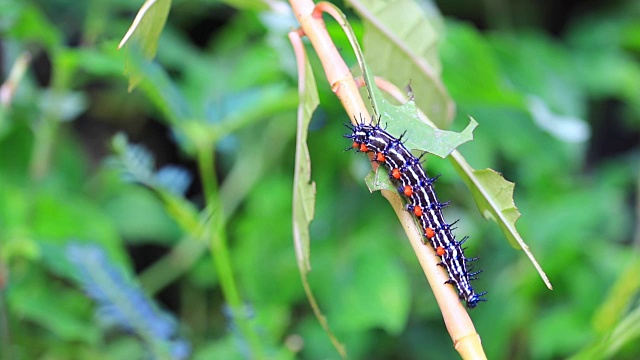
139	216
304	190
144	34
421	133
494	197
401	44
420	136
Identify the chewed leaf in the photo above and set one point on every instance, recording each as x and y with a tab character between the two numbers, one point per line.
494	197
501	199
400	42
422	137
421	134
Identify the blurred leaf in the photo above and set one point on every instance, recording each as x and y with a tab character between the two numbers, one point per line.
124	347
543	68
66	106
620	296
253	164
401	44
626	331
173	178
605	30
57	309
254	5
139	216
225	348
606	74
15	212
11	12
135	161
239	59
482	81
122	304
102	60
237	110
32	25
15	247
565	128
144	33
161	90
58	217
137	164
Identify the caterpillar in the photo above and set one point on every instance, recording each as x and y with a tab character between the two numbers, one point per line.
407	173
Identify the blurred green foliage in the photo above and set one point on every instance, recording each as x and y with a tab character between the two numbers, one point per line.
559	115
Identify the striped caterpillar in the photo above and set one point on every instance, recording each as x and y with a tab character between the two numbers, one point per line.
405	171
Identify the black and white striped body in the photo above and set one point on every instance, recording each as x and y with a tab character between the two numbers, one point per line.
406	171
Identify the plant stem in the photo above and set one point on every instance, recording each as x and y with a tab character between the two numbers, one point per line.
5	335
220	252
44	135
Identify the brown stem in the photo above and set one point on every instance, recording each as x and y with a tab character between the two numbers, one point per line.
337	72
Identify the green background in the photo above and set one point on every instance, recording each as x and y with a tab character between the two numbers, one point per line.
554	87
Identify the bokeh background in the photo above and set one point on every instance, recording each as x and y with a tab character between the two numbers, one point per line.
102	207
